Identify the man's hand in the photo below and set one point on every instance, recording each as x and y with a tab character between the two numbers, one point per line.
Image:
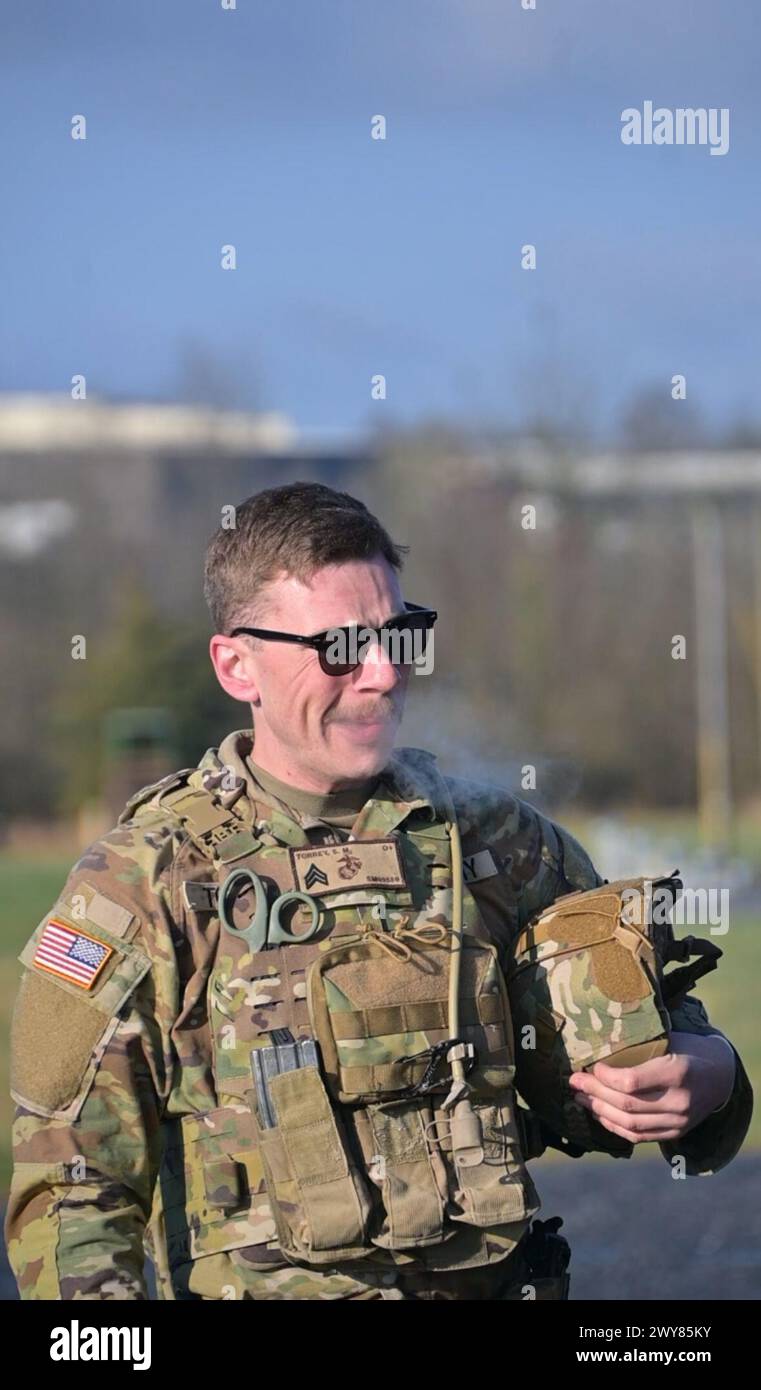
662	1099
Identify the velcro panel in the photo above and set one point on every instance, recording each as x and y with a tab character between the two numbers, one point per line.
368	980
52	1039
307	1126
104	912
617	974
583	927
333	1202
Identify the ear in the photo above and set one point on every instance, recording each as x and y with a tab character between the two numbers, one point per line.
233	663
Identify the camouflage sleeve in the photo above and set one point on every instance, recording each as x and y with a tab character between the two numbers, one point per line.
558	865
91	1068
548	862
713	1143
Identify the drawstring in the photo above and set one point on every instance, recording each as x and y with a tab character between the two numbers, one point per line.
432	934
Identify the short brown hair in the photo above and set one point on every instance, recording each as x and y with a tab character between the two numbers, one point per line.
296	529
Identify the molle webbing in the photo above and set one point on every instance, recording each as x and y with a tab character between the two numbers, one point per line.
407	1018
287	965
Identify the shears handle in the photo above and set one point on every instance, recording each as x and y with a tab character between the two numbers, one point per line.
240	880
264	928
280	935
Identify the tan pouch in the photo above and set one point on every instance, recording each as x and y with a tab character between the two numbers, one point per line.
318	1196
410	1173
427	1183
492	1184
372	1010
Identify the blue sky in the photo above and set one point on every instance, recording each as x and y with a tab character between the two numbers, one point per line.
355	256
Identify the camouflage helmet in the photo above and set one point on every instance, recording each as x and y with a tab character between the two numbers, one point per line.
587	984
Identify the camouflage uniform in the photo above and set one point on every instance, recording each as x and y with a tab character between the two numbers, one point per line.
132	1123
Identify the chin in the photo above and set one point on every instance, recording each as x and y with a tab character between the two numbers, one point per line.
361	758
369	761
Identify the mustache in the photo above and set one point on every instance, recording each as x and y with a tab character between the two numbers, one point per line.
387	710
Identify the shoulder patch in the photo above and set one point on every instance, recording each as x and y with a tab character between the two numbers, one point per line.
71	954
75	984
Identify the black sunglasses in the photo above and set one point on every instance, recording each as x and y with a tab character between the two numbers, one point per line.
338	647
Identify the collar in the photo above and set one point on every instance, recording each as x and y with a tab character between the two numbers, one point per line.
410	783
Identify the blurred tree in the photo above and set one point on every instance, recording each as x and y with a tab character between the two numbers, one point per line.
228	380
144	660
652	420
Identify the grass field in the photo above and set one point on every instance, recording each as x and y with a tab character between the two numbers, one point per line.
28	890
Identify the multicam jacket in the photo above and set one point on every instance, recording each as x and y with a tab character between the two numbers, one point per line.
131	1048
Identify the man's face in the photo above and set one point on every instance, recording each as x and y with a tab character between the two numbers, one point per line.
317	731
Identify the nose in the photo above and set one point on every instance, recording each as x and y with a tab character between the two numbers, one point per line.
377	671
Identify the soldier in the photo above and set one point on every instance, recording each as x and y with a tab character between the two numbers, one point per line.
264	1031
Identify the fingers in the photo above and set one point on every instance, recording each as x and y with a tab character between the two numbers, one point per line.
640	1128
667	1099
669	1070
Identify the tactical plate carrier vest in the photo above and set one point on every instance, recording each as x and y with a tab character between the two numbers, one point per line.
405	1145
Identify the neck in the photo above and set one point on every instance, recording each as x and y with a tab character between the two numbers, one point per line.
280	763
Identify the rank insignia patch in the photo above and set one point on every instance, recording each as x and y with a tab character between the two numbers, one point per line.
71	954
313	876
353	864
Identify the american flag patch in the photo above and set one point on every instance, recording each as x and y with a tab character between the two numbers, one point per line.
71	954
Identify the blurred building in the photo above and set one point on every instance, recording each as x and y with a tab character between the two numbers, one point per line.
120	482
555	641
